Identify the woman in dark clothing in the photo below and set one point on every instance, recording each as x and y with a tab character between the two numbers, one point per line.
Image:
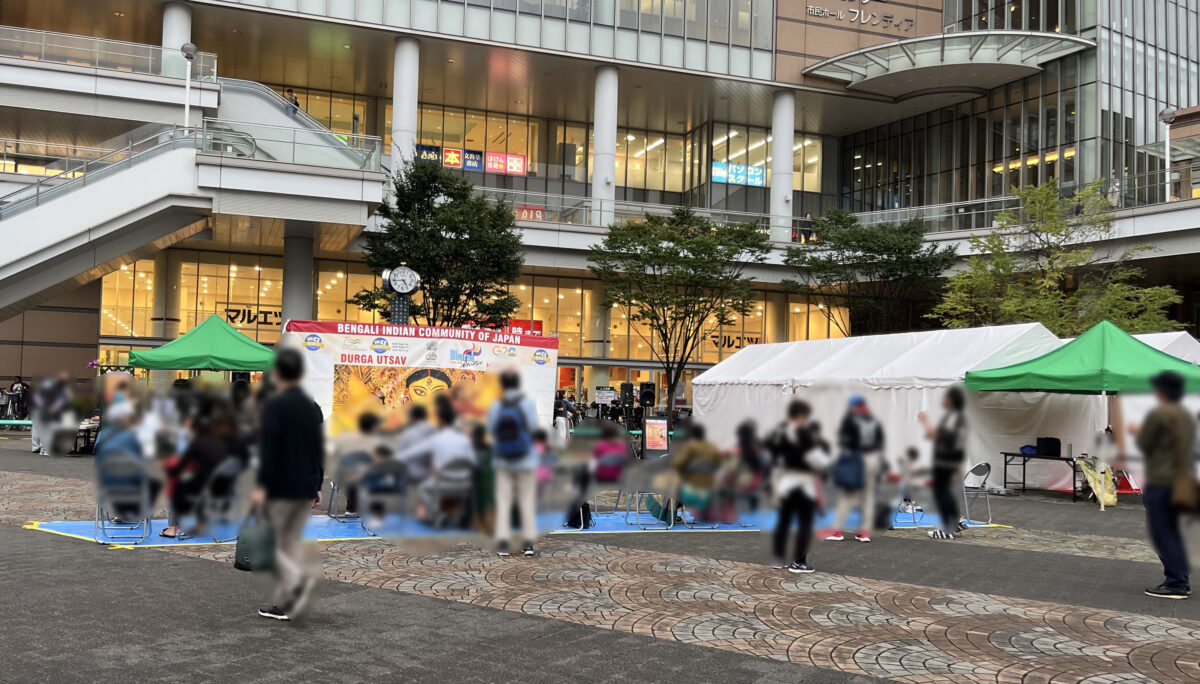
949	451
798	456
216	439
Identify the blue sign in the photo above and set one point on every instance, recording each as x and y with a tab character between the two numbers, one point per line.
429	153
473	160
756	176
720	172
737	174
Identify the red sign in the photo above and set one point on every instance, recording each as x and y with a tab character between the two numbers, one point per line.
523	327
516	165
518	333
452	158
530	212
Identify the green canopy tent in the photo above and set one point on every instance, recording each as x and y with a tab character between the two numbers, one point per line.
1104	360
212	345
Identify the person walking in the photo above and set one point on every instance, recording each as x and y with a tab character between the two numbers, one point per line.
511	421
49	405
291	457
293	102
949	450
1167	439
797	458
860	444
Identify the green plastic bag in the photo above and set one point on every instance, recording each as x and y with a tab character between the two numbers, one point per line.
255	548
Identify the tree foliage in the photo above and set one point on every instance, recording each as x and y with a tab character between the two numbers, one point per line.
466	249
1046	263
680	277
878	271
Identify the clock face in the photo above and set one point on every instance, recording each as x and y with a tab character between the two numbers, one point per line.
404	280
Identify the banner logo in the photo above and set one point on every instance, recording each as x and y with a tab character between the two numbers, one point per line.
380	345
313	342
541	357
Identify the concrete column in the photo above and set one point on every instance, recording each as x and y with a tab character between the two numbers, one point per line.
783	139
298	270
405	89
604	145
176	30
165	315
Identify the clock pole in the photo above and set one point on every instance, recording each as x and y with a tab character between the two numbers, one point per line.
400	283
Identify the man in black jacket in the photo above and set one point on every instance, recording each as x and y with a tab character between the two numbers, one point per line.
290	471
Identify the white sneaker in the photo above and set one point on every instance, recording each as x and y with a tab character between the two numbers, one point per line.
836	536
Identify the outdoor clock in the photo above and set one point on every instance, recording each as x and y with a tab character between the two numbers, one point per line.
402	280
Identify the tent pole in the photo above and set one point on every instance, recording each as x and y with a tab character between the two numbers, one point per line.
1100	463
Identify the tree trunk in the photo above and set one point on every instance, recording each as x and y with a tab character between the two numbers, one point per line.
672	384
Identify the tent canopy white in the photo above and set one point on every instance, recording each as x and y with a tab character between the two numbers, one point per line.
904	373
899	374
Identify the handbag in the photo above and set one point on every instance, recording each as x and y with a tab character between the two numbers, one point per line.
848	471
255	549
1185	491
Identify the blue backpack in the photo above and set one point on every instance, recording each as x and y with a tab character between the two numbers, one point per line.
513	439
849	471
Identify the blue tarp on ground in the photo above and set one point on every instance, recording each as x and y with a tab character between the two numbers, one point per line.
324	528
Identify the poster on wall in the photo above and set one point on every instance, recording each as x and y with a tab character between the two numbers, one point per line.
357	367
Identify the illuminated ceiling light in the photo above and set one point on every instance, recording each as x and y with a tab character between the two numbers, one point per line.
522	287
649	147
346	45
723	138
124	267
450	61
577	291
578	313
141	275
341	275
327	287
814	160
545	301
562	296
268	283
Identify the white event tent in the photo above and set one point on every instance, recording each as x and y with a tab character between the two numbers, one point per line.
902	374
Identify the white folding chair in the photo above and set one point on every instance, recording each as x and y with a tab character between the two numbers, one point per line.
982	471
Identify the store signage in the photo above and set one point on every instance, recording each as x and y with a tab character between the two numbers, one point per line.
605	395
247	315
452	158
511	164
429	153
530	212
739	174
873	13
472	160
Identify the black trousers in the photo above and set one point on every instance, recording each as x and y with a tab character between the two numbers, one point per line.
797	505
1163	522
943	495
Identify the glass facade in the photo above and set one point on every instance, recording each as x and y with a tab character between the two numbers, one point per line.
1052	16
1031	131
721	36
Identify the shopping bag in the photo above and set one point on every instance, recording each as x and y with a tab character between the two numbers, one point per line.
255	549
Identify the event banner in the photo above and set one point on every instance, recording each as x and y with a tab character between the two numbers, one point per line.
357	367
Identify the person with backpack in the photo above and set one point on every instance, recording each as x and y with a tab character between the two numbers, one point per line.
511	421
860	447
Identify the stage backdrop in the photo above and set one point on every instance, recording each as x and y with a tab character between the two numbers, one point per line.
353	367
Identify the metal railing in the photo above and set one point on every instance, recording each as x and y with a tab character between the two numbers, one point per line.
324	148
38	158
585	211
101	53
224	138
1123	192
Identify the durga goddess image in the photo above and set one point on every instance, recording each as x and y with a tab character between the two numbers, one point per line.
389	391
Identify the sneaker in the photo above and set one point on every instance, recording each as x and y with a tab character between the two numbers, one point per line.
836	536
962	525
273	612
303	593
779	564
528	550
939	534
863	537
1163	591
502	549
800	568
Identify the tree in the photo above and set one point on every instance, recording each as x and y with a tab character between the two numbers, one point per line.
682	277
466	249
1047	263
878	271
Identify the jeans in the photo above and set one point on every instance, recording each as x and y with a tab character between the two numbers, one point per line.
1163	522
943	494
798	505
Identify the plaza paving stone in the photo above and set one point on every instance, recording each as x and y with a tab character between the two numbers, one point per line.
850	624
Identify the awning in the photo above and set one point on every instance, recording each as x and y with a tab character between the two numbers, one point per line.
1103	359
212	345
971	61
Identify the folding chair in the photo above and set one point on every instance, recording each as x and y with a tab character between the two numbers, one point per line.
454	482
641	487
383	490
980	470
122	493
347	474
